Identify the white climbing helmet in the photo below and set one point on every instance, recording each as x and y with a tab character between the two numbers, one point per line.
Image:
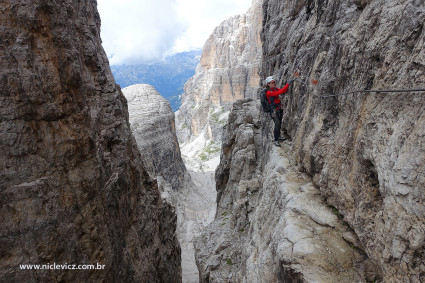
269	79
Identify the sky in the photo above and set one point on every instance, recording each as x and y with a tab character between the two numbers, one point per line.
145	31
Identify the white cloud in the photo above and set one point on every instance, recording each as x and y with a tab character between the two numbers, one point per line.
147	30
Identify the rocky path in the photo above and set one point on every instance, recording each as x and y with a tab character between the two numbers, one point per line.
298	235
199	210
272	223
196	209
195	206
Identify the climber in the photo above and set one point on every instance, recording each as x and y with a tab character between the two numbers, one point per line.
277	112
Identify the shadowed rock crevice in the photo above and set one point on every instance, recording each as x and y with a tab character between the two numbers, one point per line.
371	175
288	275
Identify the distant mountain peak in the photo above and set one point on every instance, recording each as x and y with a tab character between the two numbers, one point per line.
167	76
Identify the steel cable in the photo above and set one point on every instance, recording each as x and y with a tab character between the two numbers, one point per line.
365	90
373	90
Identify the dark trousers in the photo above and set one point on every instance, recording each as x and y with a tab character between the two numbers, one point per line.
277	119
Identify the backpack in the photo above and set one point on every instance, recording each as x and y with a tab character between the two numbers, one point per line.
264	101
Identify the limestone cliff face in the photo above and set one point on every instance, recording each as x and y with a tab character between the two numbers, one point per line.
271	223
72	184
344	201
153	125
228	70
365	151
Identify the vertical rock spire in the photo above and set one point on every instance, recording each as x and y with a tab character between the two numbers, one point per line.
228	71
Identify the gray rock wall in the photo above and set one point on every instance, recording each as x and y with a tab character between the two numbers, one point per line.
365	151
72	184
271	224
356	214
152	123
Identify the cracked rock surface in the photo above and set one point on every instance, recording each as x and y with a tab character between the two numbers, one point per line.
365	151
152	124
73	188
272	224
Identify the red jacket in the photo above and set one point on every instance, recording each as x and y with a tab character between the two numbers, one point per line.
275	92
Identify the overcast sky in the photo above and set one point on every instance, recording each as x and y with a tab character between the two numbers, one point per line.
146	30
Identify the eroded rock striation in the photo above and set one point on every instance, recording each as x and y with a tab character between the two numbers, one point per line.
357	212
153	126
272	225
365	151
73	188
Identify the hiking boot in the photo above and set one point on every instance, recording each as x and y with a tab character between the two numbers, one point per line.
276	143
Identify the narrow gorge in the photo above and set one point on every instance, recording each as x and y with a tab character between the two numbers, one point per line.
188	190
